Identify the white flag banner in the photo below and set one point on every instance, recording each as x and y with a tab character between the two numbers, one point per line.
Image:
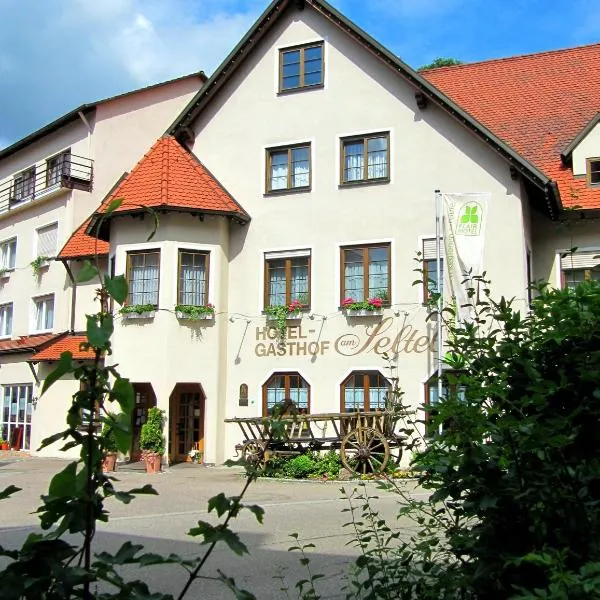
464	222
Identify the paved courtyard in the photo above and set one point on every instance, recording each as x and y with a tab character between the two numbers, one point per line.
312	509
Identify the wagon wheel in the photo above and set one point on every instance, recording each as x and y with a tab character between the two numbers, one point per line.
254	453
396	455
365	451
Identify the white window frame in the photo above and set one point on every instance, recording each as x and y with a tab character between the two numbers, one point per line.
38	251
40	302
8	254
17	397
5	309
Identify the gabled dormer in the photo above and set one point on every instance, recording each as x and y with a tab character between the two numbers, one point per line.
583	153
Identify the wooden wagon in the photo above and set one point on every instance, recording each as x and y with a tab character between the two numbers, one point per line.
367	441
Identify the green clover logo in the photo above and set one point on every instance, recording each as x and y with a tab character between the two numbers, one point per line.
470	214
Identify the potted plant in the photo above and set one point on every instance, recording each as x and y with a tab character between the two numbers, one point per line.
4	444
195	312
363	308
138	311
195	456
38	264
109	448
280	313
152	441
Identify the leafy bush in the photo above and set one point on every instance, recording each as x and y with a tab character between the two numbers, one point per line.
108	439
151	434
303	466
300	466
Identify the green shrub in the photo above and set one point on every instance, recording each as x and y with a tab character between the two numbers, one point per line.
151	435
300	467
109	441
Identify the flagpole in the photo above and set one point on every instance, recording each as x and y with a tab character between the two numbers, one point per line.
438	270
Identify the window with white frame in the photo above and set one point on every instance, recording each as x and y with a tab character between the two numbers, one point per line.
6	318
143	277
47	241
193	278
430	275
580	266
8	254
15	414
43	313
287	278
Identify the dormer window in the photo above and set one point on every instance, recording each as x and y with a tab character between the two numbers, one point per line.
593	171
301	67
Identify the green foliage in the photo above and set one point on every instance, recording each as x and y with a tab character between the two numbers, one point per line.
38	263
138	309
151	434
303	466
48	567
109	440
193	311
280	313
440	62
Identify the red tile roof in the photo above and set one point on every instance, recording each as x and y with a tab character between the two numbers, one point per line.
537	104
71	342
169	176
27	343
80	244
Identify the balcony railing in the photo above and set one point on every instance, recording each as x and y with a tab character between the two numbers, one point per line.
62	171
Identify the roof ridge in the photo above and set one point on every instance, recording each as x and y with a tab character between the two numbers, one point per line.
508	58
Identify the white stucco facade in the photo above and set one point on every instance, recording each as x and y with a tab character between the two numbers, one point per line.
100	144
214	361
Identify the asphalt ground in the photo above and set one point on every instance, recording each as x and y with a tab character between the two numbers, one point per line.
313	509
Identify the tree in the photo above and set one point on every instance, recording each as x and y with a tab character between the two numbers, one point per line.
440	62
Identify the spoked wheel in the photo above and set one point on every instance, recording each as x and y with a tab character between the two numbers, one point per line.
365	451
254	453
396	456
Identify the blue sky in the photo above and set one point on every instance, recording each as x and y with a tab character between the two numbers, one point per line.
58	54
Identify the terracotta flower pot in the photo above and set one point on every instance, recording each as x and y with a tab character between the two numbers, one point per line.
109	463
152	461
4	446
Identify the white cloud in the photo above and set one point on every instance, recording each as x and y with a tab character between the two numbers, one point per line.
57	55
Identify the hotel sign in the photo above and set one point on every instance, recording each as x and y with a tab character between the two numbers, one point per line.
377	338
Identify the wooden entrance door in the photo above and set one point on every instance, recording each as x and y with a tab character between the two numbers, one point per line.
187	421
144	399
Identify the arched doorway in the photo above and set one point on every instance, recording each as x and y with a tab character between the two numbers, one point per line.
145	398
186	418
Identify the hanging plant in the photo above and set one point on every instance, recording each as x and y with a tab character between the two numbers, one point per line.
280	313
38	263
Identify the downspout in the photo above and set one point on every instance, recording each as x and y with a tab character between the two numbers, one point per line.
35	376
89	134
73	295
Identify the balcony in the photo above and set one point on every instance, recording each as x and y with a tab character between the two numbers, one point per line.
64	171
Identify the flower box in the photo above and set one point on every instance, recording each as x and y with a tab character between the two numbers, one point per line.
148	314
362	312
200	317
290	317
